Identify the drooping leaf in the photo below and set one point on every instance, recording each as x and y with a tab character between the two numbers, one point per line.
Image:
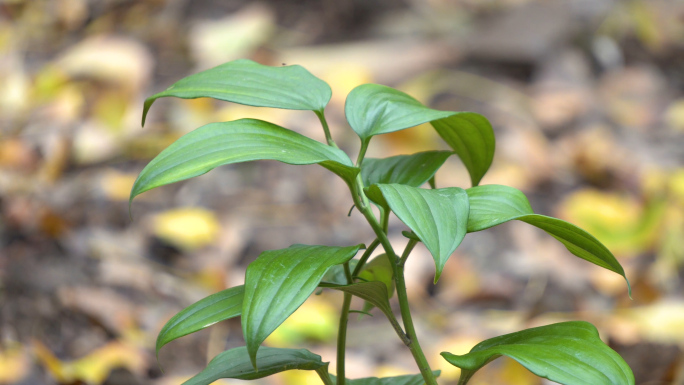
235	363
491	205
570	353
250	83
412	170
216	144
438	217
279	281
217	307
410	379
373	292
373	109
379	269
472	138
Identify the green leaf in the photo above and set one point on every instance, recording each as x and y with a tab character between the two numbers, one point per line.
235	363
438	217
246	82
412	170
570	353
217	307
379	269
279	281
336	274
491	205
373	109
411	379
216	144
471	136
373	292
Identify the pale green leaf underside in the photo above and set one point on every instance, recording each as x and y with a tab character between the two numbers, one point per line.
216	144
411	379
235	363
438	217
570	353
279	281
491	205
217	307
253	84
373	109
373	292
412	170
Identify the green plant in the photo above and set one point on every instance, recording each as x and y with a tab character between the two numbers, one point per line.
279	281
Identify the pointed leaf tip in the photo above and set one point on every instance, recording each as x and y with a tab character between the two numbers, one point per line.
278	282
570	353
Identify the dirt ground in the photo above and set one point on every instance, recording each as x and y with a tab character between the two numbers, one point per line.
586	98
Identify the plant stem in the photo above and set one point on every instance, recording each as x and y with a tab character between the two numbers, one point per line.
342	329
398	271
326	129
342	338
323	374
407	251
362	152
365	257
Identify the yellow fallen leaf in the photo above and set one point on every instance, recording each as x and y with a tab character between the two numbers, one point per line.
300	377
344	77
456	345
187	228
117	185
94	368
14	365
315	319
620	222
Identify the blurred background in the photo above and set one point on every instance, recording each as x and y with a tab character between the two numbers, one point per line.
586	97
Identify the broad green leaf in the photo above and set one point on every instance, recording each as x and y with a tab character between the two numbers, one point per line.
246	82
216	144
379	269
235	363
472	138
570	353
438	217
373	292
491	205
217	307
279	281
412	170
373	109
411	379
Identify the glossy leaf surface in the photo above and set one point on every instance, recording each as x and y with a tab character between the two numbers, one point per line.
412	170
216	144
411	379
570	353
438	217
279	281
373	109
253	84
235	363
217	307
491	205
